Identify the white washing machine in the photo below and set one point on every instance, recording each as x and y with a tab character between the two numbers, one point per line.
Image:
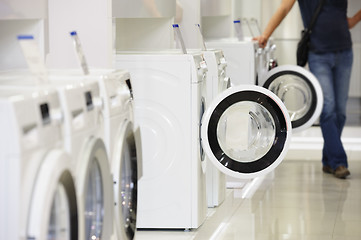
299	90
242	59
168	106
167	98
122	144
82	137
270	50
121	141
295	85
38	198
246	131
217	82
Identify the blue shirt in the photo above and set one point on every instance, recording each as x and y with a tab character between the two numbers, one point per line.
330	32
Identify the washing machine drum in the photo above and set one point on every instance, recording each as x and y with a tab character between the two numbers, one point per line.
53	212
246	131
299	90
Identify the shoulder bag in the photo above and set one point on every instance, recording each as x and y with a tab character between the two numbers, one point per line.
304	44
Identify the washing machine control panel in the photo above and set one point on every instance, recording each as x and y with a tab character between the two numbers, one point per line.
224	82
33	114
201	67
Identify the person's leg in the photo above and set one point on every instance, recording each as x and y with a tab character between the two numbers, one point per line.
342	74
334	155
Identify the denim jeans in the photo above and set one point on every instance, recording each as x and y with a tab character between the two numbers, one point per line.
333	71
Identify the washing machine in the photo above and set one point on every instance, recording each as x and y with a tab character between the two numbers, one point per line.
38	197
82	140
246	131
296	86
176	135
168	106
217	82
270	50
299	90
122	143
242	59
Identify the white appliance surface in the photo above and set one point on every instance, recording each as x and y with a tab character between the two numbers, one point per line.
241	59
299	90
122	143
38	197
306	100
167	89
217	81
246	131
82	136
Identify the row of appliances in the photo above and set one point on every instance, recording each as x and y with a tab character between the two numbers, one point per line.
298	88
190	129
195	128
69	156
244	131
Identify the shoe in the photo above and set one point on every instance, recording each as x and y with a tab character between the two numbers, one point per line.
341	172
327	169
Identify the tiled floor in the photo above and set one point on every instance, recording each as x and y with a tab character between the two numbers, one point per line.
297	201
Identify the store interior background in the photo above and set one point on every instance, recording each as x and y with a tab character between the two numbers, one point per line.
107	26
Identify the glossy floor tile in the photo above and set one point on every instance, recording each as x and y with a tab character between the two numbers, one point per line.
297	201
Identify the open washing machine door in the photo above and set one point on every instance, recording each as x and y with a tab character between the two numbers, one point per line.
96	194
53	212
246	131
125	174
299	90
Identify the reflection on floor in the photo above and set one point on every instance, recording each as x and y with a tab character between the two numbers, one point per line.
297	201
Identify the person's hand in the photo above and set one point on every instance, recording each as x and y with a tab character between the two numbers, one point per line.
262	40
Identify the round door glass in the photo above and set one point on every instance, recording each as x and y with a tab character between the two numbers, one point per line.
128	187
295	93
246	131
59	225
94	206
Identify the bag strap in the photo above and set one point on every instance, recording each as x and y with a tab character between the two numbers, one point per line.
315	15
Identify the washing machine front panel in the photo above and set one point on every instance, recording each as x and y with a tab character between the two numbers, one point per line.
167	111
95	190
224	81
217	64
30	129
125	177
82	118
299	90
246	131
115	88
53	213
116	108
200	94
199	104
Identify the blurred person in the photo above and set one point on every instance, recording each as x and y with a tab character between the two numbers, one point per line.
330	59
